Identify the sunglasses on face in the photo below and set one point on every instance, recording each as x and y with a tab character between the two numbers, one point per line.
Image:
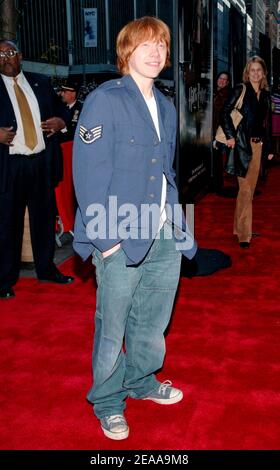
9	53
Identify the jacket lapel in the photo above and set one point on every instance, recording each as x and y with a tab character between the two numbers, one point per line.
139	101
41	96
33	82
161	113
7	104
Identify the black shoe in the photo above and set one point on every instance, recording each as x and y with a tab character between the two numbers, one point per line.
58	278
244	244
27	265
205	262
7	293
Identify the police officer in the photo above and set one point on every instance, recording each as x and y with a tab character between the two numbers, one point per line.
69	95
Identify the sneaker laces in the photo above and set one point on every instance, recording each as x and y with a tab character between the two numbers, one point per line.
164	386
115	419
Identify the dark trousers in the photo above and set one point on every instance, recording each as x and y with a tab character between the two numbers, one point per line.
29	186
219	159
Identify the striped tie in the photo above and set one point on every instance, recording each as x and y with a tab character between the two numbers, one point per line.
29	130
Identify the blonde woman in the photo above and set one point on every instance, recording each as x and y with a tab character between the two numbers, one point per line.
250	142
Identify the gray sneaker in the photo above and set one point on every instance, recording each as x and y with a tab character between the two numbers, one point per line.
115	427
165	394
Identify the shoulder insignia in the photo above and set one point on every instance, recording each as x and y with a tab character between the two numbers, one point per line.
111	84
90	135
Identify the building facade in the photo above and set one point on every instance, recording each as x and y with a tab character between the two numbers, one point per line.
257	11
230	37
271	21
52	34
249	23
278	26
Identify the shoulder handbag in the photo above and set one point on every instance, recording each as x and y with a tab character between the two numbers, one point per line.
236	117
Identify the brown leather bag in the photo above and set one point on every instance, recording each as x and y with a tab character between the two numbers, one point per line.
236	117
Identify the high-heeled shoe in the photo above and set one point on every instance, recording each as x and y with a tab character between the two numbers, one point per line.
244	244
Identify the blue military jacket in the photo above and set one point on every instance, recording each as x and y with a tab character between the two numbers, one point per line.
117	152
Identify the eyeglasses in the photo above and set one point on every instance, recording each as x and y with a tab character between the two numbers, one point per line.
9	53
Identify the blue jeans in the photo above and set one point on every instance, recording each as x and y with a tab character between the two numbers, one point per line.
134	306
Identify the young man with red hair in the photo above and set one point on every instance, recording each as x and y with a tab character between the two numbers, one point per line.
124	153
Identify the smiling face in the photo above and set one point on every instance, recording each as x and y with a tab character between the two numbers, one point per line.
134	47
9	66
222	81
147	60
256	73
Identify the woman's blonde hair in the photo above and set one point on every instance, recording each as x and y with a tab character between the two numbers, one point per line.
256	60
136	32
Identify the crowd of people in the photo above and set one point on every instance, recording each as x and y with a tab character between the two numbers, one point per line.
123	147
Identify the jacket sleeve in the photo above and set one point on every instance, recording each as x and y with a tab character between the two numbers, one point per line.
173	143
226	121
93	154
267	147
51	106
183	237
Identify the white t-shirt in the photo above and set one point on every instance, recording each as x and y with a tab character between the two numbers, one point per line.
152	106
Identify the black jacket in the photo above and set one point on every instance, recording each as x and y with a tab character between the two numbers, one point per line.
242	153
71	128
220	97
50	105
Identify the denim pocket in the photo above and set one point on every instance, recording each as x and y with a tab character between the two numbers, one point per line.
100	262
114	255
96	256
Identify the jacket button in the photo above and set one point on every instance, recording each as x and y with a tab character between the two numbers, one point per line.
153	160
152	178
152	195
118	82
132	140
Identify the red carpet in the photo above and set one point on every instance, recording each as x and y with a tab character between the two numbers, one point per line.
222	350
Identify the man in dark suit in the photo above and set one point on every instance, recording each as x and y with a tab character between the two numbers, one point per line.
69	94
30	167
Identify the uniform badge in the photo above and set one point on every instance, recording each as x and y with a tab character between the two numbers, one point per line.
90	135
75	115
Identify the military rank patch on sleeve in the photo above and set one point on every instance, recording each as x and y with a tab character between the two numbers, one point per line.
90	135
